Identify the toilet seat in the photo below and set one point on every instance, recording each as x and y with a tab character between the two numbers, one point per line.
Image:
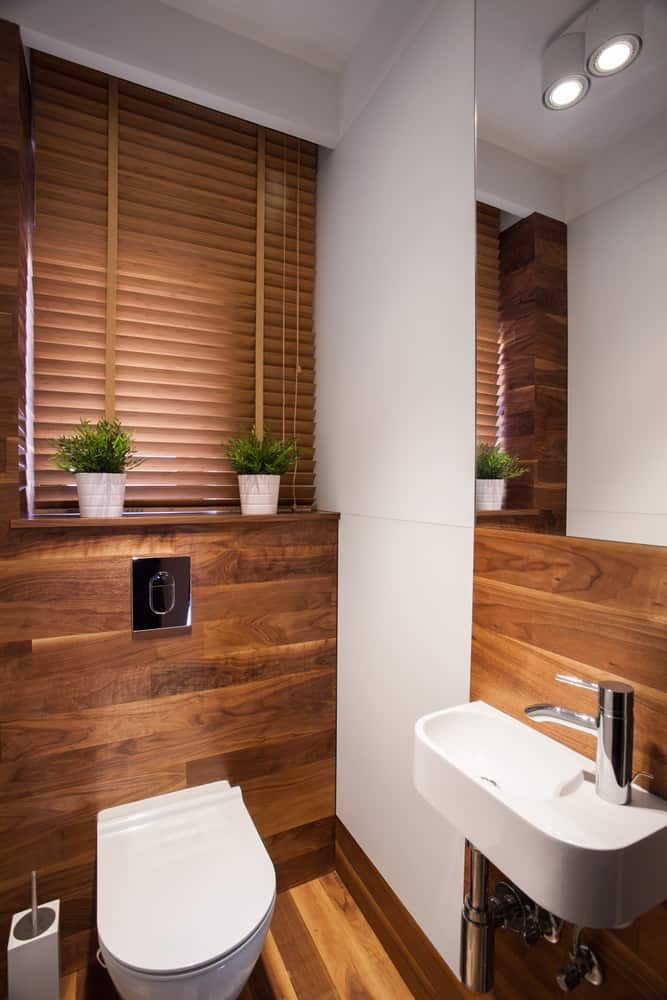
183	880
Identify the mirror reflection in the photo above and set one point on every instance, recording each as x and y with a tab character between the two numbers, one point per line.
572	267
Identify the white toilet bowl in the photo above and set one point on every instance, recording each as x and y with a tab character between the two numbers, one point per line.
185	894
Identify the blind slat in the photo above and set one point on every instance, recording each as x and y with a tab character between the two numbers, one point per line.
487	313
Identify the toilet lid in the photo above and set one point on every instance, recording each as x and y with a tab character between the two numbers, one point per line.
182	878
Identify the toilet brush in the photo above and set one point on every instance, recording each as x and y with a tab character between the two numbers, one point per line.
33	958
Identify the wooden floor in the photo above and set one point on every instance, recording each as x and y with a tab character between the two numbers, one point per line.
320	947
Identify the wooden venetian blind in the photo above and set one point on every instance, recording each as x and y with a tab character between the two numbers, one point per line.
488	321
289	388
173	276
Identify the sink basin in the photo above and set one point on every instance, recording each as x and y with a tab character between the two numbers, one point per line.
529	804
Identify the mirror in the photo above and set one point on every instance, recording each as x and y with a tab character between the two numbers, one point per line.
572	264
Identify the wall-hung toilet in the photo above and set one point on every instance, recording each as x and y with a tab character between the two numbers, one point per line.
185	894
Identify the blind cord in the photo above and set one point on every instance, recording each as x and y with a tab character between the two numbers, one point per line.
284	276
297	367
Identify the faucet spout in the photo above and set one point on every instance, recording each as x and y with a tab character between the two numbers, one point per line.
564	716
613	728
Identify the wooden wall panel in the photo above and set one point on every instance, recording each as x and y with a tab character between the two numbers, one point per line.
593	609
90	717
533	365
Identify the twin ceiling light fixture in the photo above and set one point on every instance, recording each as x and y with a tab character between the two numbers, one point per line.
610	42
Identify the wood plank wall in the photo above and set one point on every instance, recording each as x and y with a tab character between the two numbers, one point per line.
533	365
544	605
90	717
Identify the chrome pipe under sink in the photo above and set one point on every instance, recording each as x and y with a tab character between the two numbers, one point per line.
477	928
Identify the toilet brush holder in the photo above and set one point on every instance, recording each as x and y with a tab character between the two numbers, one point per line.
33	953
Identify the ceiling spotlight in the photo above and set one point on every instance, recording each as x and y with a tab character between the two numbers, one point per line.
614	31
564	79
565	93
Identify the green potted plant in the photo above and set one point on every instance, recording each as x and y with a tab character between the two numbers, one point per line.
99	456
494	466
259	463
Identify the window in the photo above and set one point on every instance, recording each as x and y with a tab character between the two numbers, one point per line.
173	263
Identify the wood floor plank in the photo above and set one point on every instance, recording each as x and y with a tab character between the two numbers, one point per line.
352	954
275	971
308	974
68	986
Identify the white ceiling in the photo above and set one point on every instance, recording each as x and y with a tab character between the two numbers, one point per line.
305	67
511	35
321	32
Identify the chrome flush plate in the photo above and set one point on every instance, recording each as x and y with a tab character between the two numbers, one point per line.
161	594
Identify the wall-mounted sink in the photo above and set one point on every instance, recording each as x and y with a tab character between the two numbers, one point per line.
529	804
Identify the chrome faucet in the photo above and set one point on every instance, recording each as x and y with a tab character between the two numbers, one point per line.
614	726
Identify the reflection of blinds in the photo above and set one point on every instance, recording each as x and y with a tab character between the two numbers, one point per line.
150	259
488	317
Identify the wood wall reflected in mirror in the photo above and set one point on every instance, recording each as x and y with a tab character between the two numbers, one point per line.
522	362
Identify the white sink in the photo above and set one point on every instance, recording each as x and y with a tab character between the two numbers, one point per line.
529	804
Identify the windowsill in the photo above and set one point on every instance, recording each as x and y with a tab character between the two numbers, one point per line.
509	512
175	518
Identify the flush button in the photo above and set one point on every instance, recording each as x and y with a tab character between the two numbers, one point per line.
161	593
161	596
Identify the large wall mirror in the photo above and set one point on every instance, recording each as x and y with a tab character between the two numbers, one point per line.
572	265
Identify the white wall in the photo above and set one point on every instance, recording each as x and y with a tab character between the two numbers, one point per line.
389	32
637	157
617	423
395	416
157	46
516	184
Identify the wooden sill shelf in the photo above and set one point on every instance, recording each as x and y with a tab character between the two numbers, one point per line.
489	515
510	519
171	519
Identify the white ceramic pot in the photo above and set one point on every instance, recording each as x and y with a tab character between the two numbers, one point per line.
259	494
490	494
101	494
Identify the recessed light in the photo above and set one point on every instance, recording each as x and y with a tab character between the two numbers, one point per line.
564	79
614	55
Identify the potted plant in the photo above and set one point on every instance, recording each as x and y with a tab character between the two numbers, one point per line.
493	467
259	464
99	457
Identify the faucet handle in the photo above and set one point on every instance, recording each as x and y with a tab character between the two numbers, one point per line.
615	697
577	682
